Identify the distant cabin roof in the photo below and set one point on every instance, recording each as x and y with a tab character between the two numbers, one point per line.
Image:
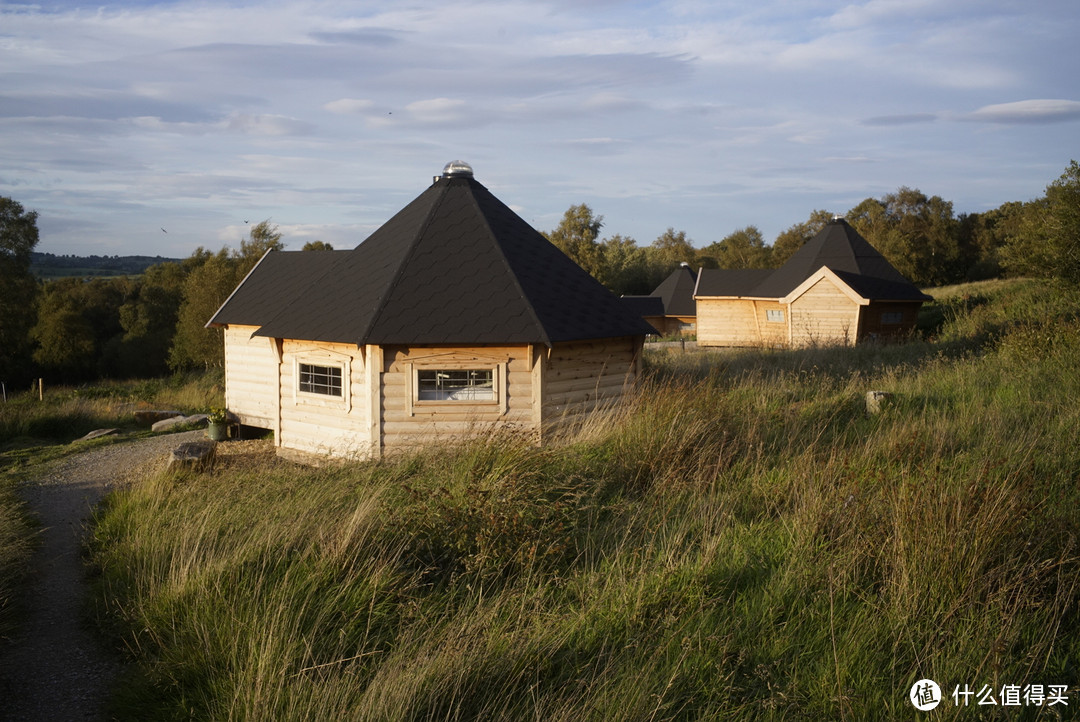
673	297
838	247
456	265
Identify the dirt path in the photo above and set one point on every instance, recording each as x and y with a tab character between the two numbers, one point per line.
55	667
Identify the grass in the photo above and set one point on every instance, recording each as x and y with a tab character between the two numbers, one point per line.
33	432
741	542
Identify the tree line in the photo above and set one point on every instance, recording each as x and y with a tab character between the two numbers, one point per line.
919	234
78	329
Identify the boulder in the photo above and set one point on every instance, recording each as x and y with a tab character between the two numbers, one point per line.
878	401
168	424
97	433
193	455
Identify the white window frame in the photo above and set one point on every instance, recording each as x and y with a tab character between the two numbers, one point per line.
497	403
774	315
323	360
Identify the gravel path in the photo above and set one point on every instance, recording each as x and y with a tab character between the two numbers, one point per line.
55	668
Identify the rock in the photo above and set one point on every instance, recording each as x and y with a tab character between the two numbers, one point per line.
97	433
878	401
168	424
193	455
143	416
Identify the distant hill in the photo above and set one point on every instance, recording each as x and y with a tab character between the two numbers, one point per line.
49	265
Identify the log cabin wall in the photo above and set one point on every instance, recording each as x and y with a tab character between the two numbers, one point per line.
409	421
582	377
322	422
824	315
251	365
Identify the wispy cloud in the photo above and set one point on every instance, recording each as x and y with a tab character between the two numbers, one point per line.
1028	111
330	115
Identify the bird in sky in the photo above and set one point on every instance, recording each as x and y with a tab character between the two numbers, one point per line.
164	231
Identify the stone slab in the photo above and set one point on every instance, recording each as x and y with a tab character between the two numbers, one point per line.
193	455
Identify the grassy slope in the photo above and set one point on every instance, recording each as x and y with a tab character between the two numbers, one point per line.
32	431
742	543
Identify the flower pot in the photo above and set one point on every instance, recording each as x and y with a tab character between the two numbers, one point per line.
217	430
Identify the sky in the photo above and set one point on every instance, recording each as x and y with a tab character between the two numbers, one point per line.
153	128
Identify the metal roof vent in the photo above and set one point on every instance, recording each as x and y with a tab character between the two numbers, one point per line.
457	169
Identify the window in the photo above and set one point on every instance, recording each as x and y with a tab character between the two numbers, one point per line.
323	380
774	314
456	385
892	317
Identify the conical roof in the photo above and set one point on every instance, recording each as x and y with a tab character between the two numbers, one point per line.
455	266
838	247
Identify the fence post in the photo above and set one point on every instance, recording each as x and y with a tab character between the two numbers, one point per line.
41	389
4	387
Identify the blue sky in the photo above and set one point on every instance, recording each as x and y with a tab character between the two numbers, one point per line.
120	120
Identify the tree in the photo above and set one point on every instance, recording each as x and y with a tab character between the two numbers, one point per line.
795	237
1063	223
670	249
744	248
918	235
625	266
77	321
262	238
576	237
149	320
18	237
317	246
205	288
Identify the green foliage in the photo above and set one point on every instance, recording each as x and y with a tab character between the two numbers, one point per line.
740	542
918	235
1063	228
744	248
206	287
18	237
77	320
576	236
317	246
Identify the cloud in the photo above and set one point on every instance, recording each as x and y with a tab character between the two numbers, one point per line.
437	110
272	125
909	119
1028	112
349	106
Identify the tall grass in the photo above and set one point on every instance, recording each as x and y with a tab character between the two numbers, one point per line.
30	430
741	542
66	413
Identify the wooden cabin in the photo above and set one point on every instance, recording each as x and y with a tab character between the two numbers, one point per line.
453	318
836	289
671	308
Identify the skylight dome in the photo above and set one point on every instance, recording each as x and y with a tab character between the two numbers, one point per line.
457	169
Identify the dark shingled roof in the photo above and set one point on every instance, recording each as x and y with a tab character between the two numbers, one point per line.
677	292
456	265
838	247
644	305
276	279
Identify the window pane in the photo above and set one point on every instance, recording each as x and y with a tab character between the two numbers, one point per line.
774	315
892	317
456	385
324	380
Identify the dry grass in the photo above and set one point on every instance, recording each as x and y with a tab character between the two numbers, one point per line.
742	542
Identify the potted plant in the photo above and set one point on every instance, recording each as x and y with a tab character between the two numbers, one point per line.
217	424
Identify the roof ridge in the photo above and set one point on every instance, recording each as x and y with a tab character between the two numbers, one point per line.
509	269
380	306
